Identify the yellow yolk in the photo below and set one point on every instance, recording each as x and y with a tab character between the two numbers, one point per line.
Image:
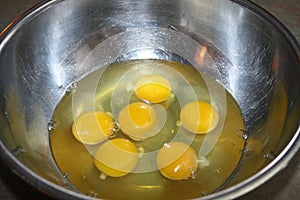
137	120
199	117
176	161
92	127
116	157
153	88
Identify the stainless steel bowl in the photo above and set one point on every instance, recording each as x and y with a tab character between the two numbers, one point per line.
58	42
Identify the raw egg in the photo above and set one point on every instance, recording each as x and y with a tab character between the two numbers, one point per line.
199	117
153	88
140	121
116	157
177	161
92	127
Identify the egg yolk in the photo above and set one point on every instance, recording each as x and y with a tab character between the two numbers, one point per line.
199	117
153	88
137	120
176	161
92	127
116	157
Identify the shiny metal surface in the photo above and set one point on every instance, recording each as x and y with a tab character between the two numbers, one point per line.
255	60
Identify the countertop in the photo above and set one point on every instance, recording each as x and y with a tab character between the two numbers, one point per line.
285	185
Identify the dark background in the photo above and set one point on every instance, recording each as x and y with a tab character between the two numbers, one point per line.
284	186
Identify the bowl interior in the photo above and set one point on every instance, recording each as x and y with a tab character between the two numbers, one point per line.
63	41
